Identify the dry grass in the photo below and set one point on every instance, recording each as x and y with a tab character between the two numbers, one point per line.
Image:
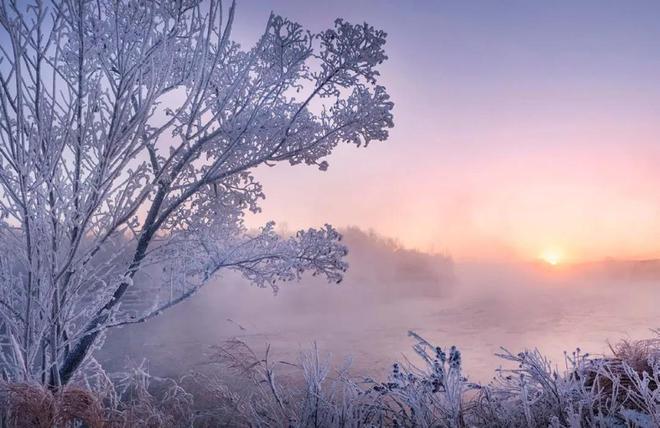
616	375
147	401
33	406
640	355
625	379
143	401
241	389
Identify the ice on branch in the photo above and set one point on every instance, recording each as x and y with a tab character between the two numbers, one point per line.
128	136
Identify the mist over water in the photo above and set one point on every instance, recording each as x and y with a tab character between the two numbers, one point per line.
478	307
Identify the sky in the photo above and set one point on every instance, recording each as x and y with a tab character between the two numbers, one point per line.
523	130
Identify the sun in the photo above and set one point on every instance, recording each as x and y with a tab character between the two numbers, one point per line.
551	257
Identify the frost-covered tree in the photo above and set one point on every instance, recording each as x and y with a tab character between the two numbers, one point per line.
129	133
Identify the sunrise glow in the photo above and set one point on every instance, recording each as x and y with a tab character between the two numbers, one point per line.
552	257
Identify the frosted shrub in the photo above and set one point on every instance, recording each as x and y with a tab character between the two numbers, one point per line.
620	390
145	400
239	387
313	395
431	394
534	393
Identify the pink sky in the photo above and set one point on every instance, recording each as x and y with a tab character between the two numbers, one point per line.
520	129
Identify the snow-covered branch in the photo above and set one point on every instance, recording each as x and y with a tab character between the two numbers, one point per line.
128	135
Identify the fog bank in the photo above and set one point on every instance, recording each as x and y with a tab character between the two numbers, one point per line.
388	291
